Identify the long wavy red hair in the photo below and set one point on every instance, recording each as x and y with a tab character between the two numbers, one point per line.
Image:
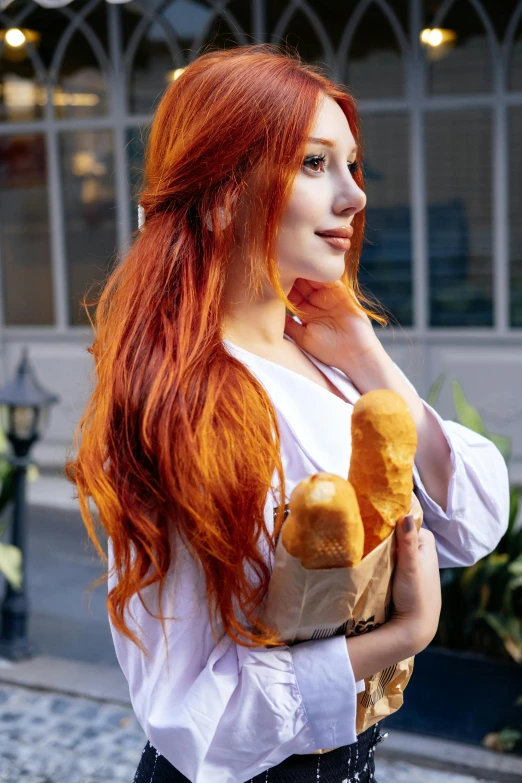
165	445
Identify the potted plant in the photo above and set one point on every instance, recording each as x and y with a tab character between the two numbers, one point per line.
467	683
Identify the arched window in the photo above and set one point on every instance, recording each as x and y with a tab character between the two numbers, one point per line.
463	64
440	122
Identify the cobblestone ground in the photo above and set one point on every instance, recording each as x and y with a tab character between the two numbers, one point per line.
53	738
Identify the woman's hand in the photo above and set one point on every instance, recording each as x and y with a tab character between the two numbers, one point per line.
335	328
416	588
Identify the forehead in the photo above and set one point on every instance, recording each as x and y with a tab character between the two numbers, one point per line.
331	123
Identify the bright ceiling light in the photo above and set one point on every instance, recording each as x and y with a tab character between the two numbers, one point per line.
436	36
15	37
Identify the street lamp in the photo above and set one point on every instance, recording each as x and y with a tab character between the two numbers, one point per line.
24	414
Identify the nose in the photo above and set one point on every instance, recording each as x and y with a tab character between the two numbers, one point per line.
350	198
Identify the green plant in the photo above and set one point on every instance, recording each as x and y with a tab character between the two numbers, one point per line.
10	556
482	603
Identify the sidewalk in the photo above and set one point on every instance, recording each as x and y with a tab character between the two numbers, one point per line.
70	721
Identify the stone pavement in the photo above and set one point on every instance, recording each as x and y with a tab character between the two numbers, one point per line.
50	737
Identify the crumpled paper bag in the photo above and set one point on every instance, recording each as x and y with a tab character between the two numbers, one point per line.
306	604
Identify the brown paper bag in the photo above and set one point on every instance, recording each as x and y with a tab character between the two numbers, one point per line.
304	604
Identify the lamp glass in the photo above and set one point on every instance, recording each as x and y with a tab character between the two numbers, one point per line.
23	421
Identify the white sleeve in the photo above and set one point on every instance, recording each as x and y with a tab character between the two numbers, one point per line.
225	713
477	511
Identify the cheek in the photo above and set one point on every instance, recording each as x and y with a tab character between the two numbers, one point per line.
305	207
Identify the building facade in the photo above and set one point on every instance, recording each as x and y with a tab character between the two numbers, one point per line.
442	141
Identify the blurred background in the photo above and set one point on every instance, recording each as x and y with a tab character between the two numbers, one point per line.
439	88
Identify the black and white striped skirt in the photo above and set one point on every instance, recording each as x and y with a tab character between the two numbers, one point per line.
348	764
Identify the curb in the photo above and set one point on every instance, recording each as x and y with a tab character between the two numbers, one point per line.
74	678
450	756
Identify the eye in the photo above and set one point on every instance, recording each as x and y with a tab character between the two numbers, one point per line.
315	160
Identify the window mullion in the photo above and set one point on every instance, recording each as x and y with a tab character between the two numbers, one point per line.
118	102
500	269
56	220
417	176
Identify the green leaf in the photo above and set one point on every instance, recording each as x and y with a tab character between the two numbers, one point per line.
509	737
517	582
515	567
467	415
514	505
8	489
509	629
435	390
11	565
503	444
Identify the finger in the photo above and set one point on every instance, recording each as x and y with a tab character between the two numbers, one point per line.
293	329
328	295
302	303
407	539
306	286
296	297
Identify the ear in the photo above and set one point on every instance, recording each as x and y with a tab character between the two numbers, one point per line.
223	215
141	217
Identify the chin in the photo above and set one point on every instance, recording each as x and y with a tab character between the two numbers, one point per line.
330	271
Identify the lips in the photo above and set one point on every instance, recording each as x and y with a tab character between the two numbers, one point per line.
338	238
345	232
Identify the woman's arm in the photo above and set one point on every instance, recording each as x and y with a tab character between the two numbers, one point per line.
467	509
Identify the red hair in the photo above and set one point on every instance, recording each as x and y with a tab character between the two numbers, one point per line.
167	444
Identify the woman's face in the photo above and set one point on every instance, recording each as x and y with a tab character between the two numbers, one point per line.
324	197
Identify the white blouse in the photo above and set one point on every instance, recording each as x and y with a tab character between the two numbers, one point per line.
222	713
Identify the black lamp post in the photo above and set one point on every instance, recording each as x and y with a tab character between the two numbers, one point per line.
24	414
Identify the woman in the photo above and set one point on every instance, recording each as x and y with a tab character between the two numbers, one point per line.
211	404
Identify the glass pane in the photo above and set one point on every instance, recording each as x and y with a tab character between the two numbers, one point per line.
461	62
81	90
515	213
499	14
386	258
459	182
25	250
87	171
515	66
153	63
375	66
21	93
136	142
301	34
335	15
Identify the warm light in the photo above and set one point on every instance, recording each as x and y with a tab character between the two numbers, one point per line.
15	37
437	36
73	99
171	76
86	164
19	92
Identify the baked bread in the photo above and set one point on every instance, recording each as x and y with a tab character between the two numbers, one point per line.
384	442
324	528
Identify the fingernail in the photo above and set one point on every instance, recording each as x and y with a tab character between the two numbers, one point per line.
407	524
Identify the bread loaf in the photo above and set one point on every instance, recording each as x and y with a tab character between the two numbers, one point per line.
324	527
384	442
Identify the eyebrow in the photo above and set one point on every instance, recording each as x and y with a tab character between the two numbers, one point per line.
326	142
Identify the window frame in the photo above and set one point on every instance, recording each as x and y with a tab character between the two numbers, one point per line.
417	103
